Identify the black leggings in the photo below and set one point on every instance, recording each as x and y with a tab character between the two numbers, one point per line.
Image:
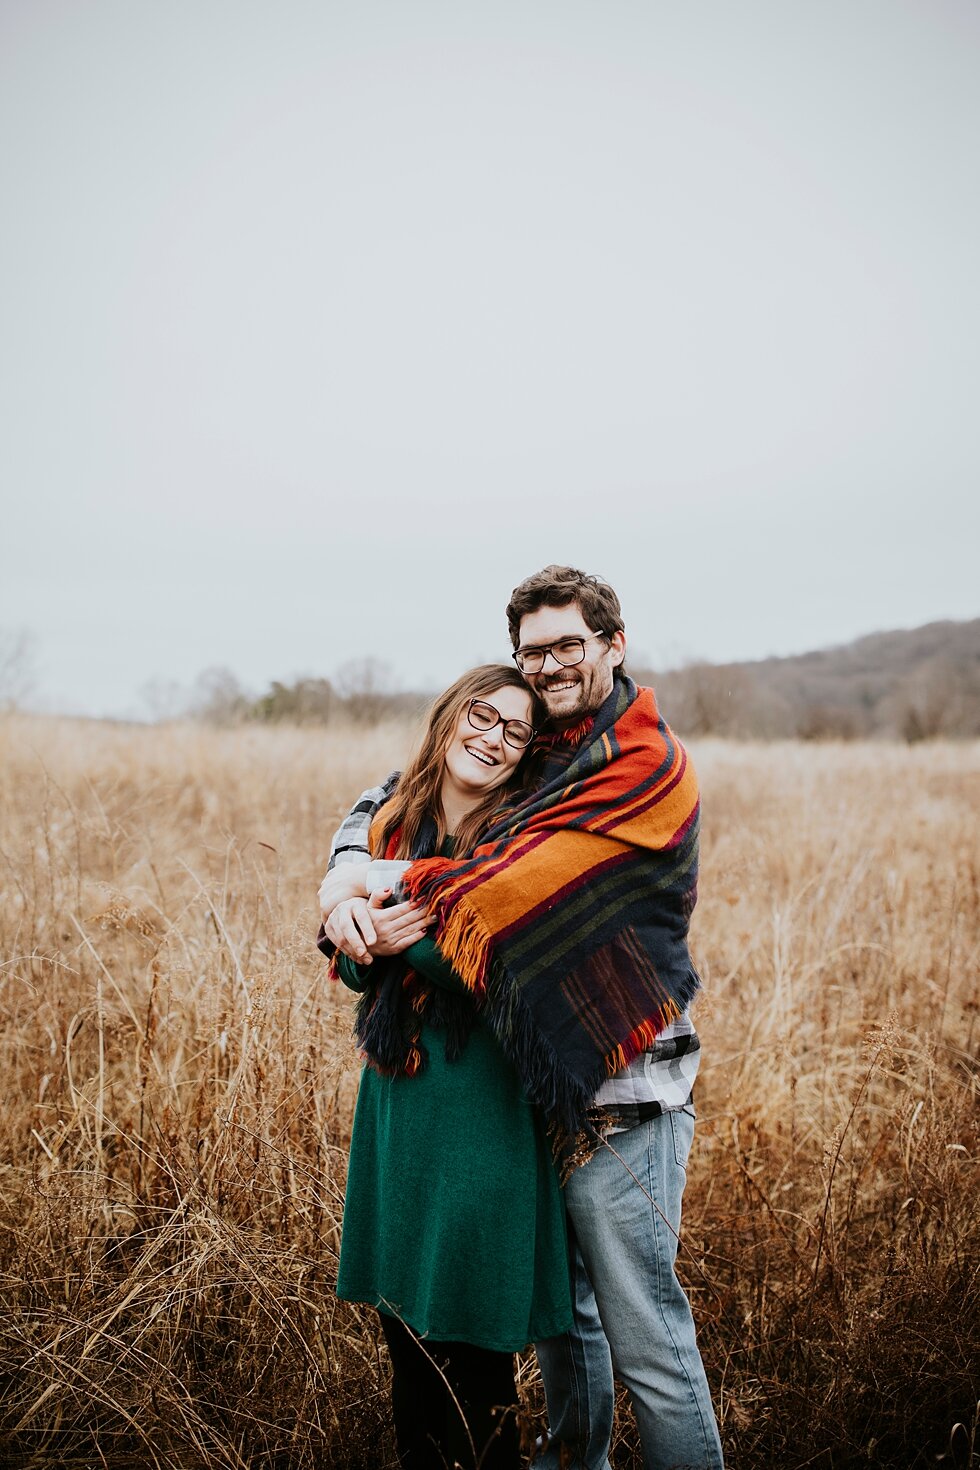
428	1428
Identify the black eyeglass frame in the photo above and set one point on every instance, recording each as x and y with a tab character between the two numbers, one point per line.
499	720
545	648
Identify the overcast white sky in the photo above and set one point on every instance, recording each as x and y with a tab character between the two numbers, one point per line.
324	324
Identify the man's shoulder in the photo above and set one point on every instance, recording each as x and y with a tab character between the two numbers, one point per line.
376	796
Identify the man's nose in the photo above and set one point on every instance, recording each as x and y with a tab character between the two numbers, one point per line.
555	661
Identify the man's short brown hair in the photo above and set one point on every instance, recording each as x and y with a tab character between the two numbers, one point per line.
556	586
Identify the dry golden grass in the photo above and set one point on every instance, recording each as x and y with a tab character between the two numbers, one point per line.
179	1082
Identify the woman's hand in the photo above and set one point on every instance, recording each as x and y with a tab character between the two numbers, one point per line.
363	929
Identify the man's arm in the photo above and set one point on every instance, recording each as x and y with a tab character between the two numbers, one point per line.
350	852
351	922
350	841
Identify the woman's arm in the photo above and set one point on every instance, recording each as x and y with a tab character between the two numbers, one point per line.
364	929
355	977
426	957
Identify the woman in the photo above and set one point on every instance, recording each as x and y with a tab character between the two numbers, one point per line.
453	1223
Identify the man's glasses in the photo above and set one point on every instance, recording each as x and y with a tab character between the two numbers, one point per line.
567	652
483	716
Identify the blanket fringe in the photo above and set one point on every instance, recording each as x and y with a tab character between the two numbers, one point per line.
642	1037
465	943
546	1081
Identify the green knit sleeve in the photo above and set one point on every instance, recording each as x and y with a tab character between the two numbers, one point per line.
425	957
355	977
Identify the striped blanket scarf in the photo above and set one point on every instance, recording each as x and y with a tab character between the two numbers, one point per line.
569	921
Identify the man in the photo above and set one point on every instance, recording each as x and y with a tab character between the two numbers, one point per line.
624	1203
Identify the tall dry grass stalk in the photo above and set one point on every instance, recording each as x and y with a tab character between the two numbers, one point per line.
179	1084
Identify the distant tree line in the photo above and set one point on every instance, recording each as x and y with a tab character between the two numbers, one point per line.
361	693
910	686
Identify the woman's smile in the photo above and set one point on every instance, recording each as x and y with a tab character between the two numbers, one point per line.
482	756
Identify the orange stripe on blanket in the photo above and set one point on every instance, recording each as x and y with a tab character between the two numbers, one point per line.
507	896
658	828
652	819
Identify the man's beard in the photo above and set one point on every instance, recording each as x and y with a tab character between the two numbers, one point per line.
587	693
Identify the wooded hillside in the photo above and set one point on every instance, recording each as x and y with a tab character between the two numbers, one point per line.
910	683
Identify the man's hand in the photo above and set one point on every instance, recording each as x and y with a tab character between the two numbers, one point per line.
363	929
344	881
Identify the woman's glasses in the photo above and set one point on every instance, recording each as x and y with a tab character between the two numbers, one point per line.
483	716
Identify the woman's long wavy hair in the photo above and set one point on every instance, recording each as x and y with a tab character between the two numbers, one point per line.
418	793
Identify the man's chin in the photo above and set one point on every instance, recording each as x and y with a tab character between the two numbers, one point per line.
565	704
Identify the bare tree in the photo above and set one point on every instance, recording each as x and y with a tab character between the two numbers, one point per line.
937	698
17	669
816	721
368	688
165	699
708	699
219	698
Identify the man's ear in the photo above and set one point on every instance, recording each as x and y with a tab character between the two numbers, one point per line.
617	645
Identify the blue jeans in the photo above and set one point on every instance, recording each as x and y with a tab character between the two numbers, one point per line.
631	1314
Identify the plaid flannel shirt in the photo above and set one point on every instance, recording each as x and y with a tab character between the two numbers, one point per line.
660	1080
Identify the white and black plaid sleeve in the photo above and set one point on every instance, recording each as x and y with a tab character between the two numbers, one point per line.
350	841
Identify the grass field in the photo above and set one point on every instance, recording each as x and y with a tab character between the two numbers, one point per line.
178	1086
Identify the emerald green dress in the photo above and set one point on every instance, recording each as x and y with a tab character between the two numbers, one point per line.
453	1219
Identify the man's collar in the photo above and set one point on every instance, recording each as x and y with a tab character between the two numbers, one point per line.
574	735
